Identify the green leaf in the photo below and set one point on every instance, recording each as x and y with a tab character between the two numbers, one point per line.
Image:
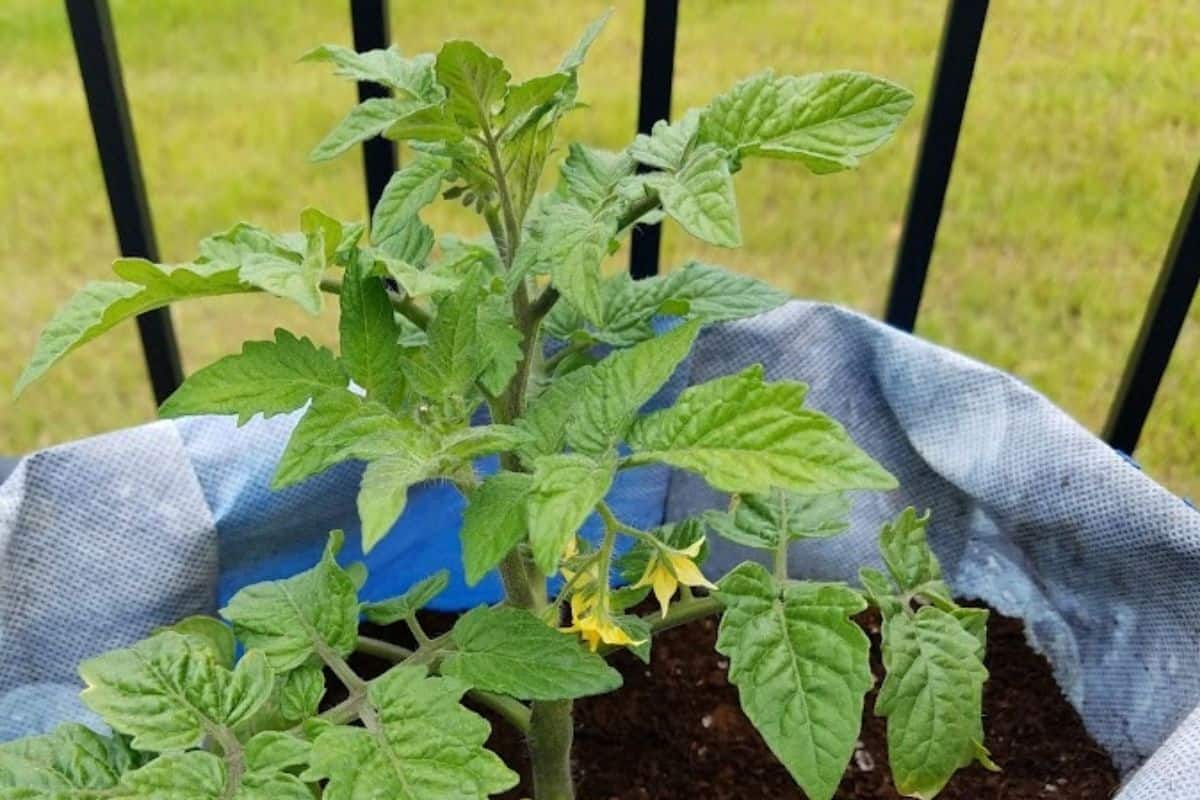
620	385
339	426
510	651
71	763
275	750
801	668
568	243
366	120
416	281
494	522
101	305
530	101
880	591
668	145
523	158
499	343
168	691
410	189
369	336
574	57
932	698
266	378
383	493
564	492
548	415
213	633
590	176
758	519
827	120
300	690
481	440
427	123
700	197
697	291
453	355
200	775
411	78
339	238
747	436
906	552
711	294
288	266
475	82
420	745
289	621
405	606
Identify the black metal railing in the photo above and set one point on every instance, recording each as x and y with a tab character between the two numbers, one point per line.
962	32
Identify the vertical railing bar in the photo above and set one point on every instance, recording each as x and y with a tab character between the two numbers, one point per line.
961	34
654	103
1165	315
369	21
108	107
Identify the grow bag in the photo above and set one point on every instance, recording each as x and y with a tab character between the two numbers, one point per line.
102	540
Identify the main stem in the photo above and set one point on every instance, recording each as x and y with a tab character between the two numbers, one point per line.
551	727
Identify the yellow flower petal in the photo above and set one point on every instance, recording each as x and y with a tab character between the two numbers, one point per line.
665	585
647	578
688	573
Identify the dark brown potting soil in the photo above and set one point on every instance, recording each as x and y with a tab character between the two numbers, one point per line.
675	731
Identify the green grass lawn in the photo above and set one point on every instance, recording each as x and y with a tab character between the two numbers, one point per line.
1081	134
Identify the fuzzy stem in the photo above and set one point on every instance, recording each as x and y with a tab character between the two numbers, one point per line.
781	547
550	734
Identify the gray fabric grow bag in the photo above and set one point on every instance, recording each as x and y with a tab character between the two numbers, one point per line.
1031	514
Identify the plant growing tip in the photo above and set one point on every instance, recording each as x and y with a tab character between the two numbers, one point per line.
432	332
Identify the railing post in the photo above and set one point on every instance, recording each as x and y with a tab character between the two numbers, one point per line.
100	69
1165	315
961	35
369	21
654	103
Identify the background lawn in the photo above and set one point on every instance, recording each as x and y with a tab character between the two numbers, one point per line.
1082	132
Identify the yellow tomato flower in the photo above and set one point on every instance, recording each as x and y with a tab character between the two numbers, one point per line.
596	627
669	567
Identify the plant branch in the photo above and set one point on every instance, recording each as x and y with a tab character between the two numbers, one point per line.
512	226
402	303
643	206
781	547
344	712
381	649
341	669
569	350
512	711
418	632
544	302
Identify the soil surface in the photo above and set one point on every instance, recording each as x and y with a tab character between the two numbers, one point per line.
675	730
